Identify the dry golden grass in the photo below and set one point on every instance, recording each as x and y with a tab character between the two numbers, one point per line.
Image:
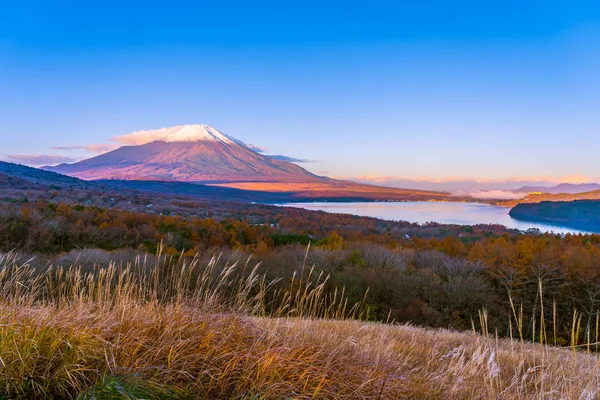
416	363
186	331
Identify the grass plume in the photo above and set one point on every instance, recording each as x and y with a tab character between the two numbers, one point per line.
180	330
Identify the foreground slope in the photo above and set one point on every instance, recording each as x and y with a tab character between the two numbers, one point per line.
182	353
114	333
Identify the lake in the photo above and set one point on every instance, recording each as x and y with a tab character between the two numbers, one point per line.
441	212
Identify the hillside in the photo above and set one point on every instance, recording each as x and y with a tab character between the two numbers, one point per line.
579	214
110	335
20	182
540	197
570	188
21	176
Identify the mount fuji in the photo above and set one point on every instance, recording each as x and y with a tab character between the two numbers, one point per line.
186	153
187	157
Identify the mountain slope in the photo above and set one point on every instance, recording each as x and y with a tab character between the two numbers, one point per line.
569	188
540	197
189	153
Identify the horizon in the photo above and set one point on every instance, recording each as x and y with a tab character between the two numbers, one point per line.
472	96
483	188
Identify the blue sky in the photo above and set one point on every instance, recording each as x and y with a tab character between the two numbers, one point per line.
386	91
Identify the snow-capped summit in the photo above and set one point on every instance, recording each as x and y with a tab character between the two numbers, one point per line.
190	133
180	133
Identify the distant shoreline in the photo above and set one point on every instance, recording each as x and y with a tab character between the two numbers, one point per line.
309	200
489	214
582	215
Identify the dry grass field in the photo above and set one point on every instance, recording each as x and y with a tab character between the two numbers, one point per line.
180	330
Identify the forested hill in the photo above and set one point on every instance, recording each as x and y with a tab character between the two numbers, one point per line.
580	214
540	197
16	175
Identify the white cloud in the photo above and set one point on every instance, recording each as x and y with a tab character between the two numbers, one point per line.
40	159
99	148
281	157
255	148
496	194
141	137
66	147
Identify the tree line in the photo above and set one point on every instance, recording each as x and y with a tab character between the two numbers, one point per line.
436	280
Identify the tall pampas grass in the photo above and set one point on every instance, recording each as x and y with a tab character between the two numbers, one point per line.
179	329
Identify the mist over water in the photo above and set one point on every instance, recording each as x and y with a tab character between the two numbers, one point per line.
440	212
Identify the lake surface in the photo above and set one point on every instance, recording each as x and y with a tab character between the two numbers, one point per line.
441	212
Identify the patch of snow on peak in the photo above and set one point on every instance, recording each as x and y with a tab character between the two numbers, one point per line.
180	133
191	133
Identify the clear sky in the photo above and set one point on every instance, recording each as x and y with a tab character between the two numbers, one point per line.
477	89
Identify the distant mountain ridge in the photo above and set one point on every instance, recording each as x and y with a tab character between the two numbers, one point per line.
187	153
570	188
549	197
